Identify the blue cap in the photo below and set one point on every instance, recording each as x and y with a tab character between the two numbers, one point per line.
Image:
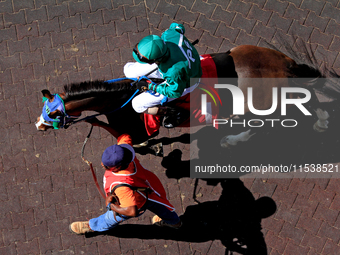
117	155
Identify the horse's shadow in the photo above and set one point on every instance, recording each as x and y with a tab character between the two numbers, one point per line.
277	146
272	146
235	218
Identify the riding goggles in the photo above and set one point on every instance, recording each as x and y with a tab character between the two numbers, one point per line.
144	59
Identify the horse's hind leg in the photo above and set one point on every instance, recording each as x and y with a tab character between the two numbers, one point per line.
322	124
234	139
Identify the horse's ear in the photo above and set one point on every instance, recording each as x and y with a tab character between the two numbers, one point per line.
46	93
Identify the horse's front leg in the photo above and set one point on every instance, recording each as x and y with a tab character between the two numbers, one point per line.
322	124
232	140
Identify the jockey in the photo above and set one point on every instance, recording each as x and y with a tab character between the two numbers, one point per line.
177	61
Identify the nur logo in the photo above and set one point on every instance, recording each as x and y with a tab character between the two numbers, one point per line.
239	103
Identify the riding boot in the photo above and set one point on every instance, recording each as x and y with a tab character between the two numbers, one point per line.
173	117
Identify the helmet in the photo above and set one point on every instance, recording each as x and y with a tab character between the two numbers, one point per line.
150	49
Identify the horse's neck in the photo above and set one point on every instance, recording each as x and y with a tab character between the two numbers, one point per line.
98	104
98	97
76	107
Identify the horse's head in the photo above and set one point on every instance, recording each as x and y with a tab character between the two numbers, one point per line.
50	113
104	97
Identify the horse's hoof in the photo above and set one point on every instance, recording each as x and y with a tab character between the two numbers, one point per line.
319	129
158	149
224	143
141	144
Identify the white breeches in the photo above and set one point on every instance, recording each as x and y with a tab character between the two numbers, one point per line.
135	69
146	100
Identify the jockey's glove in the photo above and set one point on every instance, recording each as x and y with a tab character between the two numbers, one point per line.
142	85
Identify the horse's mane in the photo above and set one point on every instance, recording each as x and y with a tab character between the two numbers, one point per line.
77	91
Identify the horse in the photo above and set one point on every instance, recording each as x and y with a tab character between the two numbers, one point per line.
102	97
243	63
264	70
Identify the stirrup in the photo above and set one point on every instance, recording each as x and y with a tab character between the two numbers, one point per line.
174	118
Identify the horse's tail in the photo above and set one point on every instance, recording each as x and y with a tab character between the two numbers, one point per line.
325	81
307	71
307	76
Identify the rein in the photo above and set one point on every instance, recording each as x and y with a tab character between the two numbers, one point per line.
68	124
89	134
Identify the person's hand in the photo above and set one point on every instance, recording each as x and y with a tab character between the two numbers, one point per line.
142	85
109	199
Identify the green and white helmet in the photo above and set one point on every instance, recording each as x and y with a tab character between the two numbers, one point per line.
150	49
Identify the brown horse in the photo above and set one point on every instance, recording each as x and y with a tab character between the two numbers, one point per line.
243	63
264	69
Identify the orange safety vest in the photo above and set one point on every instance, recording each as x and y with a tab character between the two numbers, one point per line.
140	178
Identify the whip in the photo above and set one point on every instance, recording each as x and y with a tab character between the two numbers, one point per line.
90	164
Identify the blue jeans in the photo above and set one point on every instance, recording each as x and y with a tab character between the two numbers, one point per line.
107	220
